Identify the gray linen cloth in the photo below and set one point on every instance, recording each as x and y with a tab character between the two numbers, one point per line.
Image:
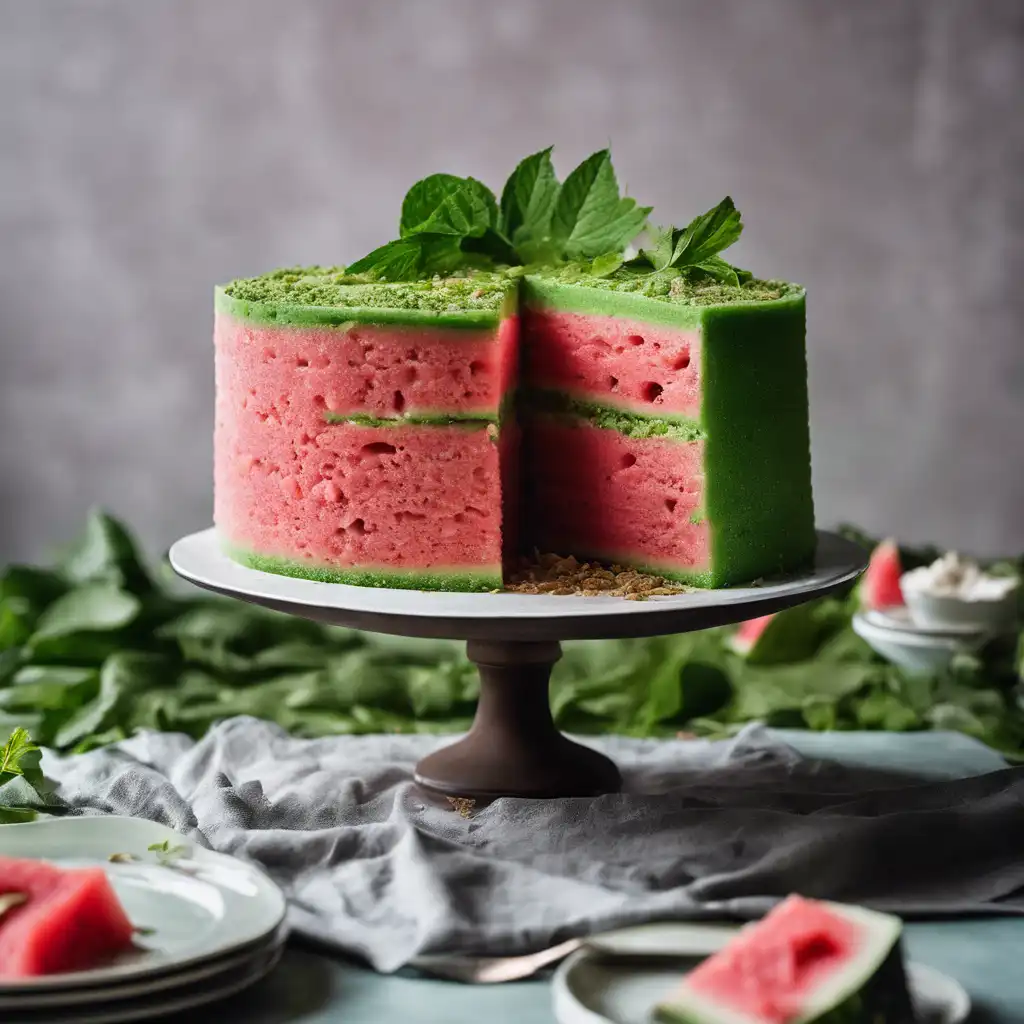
701	829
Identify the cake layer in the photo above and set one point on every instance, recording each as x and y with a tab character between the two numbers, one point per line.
316	374
597	493
363	500
643	367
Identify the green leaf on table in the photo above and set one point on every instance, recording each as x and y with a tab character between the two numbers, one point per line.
590	217
761	692
19	756
23	788
882	709
106	553
37	587
528	199
15	623
123	676
96	607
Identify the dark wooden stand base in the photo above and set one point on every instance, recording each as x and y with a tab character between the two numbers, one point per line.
513	748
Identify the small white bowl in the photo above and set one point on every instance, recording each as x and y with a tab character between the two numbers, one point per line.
916	653
994	615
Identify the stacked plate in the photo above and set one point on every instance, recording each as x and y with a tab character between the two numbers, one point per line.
919	649
209	926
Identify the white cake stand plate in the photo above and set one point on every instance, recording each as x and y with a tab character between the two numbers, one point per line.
513	747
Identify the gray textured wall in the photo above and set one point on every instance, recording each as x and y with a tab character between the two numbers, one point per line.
149	149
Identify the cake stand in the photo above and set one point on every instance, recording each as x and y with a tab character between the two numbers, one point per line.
513	747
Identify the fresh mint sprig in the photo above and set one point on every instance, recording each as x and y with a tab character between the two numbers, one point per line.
23	787
695	248
450	223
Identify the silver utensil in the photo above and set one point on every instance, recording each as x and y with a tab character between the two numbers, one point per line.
651	942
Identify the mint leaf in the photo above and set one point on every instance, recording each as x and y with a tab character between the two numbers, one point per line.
528	199
659	251
106	553
446	205
14	755
167	853
92	608
407	259
493	245
590	218
604	266
707	235
717	268
23	789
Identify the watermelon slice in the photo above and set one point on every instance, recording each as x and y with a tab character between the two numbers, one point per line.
880	586
67	920
807	961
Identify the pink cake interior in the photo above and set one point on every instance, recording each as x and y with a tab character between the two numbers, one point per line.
373	371
292	486
642	367
597	492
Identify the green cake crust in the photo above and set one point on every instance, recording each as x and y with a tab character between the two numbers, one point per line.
451	580
657	298
608	417
310	296
757	456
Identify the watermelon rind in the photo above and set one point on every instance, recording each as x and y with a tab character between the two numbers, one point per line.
871	988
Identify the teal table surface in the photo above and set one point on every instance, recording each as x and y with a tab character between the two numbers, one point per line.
985	954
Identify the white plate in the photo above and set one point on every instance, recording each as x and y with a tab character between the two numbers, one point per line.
512	616
901	620
207	971
147	1007
204	905
591	988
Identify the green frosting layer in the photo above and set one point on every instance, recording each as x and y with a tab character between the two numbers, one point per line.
631	424
327	296
629	298
469	580
672	286
440	419
757	455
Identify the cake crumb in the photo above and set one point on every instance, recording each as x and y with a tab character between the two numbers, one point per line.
462	805
548	573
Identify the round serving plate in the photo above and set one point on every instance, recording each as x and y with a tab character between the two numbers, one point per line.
592	987
511	616
513	748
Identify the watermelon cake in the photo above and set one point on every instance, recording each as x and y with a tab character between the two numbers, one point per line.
807	961
505	378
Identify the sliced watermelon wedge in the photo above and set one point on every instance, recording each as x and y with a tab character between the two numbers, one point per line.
70	920
806	961
880	585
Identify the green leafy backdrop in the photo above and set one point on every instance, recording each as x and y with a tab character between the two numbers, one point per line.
97	647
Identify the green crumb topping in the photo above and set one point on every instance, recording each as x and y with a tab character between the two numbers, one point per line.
331	287
470	421
672	286
630	424
456	580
